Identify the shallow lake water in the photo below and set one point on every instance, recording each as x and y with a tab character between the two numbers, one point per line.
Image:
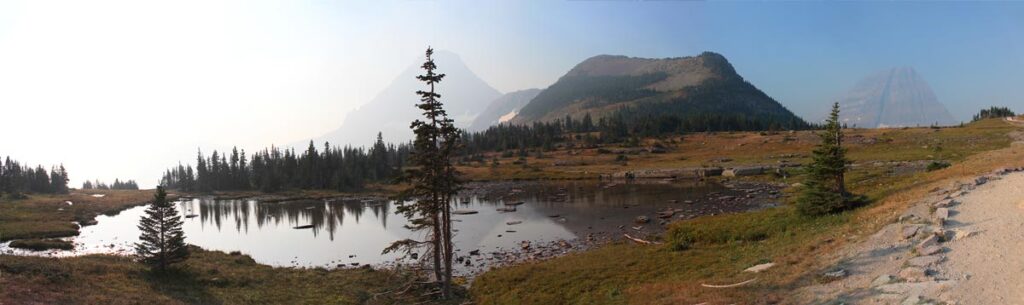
343	232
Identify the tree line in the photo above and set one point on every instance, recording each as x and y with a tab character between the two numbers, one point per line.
993	112
17	179
272	169
622	126
118	185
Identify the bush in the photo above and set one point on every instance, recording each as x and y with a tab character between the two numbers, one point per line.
937	165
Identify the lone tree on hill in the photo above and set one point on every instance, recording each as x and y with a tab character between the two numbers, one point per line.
825	189
434	180
162	242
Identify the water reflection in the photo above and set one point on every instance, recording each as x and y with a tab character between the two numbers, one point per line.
330	233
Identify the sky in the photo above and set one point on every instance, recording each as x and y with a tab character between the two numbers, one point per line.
124	89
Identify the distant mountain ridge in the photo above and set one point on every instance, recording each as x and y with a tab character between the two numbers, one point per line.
683	86
503	109
464	94
896	97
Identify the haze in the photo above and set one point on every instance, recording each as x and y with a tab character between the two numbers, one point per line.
123	89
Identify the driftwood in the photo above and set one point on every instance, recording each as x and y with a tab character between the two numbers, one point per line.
641	241
730	285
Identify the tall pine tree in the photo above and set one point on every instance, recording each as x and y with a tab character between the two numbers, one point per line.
162	242
825	189
427	204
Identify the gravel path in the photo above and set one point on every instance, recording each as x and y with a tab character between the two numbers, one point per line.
963	244
989	265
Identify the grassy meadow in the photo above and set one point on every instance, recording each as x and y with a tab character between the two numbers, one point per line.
706	250
714	250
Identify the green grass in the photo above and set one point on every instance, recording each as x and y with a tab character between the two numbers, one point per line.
208	277
42	244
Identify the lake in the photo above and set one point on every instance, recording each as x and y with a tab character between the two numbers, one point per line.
554	217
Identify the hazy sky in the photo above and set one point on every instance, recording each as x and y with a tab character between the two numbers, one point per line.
126	88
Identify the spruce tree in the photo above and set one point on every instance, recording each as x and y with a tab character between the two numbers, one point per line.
162	242
427	204
825	189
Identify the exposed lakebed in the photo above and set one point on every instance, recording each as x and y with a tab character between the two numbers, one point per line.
513	221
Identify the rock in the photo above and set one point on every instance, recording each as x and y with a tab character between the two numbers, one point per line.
909	231
924	261
932	240
945	203
931	250
959	234
912	300
464	212
525	244
743	171
980	180
474	252
914	274
835	275
642	219
941	214
759	267
514	222
882	280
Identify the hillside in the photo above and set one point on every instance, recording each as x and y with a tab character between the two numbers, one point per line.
503	108
897	97
685	87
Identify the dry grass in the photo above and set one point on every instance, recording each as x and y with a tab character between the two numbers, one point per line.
722	246
208	277
49	216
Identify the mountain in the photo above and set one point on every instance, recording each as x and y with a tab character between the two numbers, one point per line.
463	93
893	98
685	87
503	108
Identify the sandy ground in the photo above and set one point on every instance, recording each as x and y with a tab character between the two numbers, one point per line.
963	244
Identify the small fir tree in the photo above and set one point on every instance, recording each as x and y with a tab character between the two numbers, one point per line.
162	242
825	190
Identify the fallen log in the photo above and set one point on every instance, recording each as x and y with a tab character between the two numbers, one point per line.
730	285
641	241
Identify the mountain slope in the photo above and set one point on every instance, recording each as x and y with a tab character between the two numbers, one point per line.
893	98
463	93
504	107
704	85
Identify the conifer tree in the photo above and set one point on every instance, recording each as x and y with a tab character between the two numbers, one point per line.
162	242
825	189
433	178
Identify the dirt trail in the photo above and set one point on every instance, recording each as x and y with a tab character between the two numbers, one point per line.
989	265
963	244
